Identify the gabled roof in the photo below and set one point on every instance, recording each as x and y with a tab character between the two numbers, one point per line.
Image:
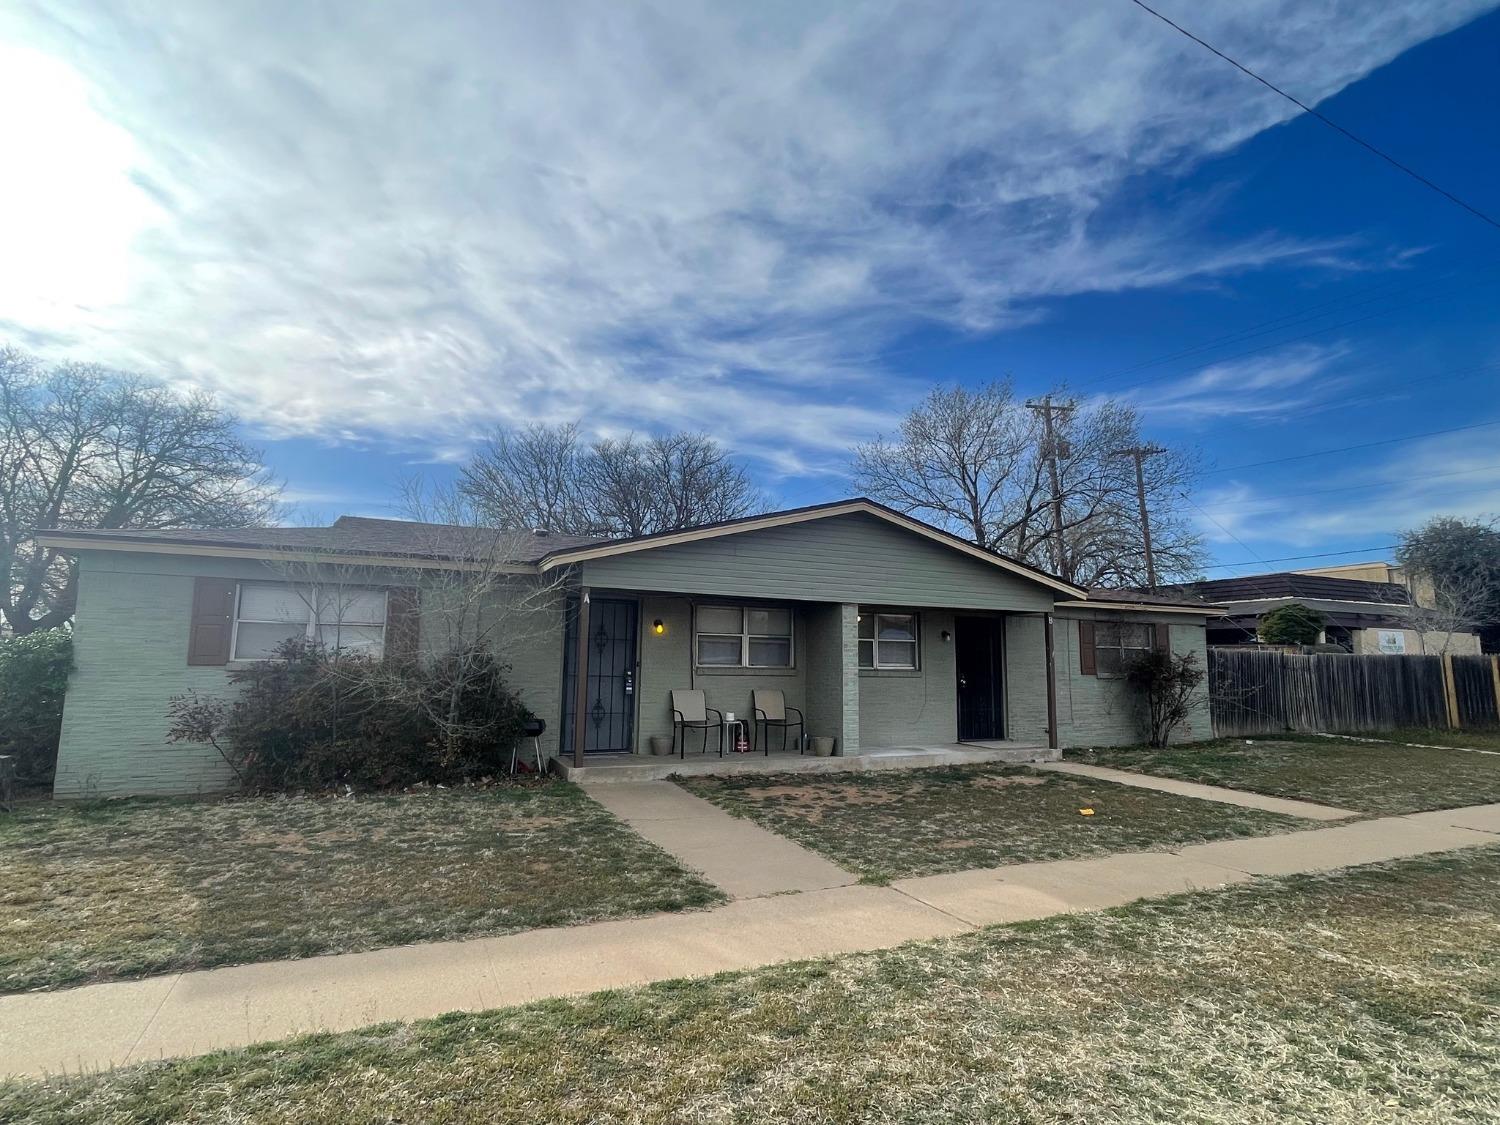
608	548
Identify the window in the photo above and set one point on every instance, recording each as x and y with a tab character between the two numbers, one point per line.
1117	643
270	613
731	636
888	640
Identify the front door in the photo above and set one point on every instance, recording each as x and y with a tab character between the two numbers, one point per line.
980	652
609	713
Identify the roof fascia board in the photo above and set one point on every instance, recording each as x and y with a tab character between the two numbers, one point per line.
1143	607
693	535
271	554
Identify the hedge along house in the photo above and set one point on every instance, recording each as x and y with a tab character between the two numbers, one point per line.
884	631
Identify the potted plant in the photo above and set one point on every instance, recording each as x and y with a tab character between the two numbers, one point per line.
661	745
822	747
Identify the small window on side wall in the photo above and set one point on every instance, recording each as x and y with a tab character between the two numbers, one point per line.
1117	644
888	641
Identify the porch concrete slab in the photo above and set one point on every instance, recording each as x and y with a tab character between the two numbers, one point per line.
216	1008
997	896
741	858
1305	809
1477	818
1323	849
90	1028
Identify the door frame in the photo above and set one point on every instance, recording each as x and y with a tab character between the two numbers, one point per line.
1001	680
567	702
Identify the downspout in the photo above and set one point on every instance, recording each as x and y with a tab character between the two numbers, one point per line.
1047	633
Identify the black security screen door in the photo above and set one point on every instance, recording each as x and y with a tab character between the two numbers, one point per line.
609	715
981	689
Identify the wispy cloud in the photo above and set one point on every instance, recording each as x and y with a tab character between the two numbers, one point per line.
1264	387
411	222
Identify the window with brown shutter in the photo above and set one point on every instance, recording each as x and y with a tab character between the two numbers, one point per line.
1086	663
403	622
213	621
1163	638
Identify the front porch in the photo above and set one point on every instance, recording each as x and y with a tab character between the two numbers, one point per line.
607	768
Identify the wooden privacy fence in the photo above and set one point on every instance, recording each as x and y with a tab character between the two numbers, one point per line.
1254	691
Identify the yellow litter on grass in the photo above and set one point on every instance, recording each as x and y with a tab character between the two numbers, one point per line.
1085	812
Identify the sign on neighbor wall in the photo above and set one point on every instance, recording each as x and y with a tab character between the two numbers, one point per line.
1392	641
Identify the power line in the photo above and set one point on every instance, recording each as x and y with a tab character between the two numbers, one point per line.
1348	448
1296	558
1334	125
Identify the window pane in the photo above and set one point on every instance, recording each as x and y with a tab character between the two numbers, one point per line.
1135	636
897	628
898	654
867	625
1107	633
768	622
352	607
1107	661
718	619
719	650
767	652
867	654
259	642
352	638
271	601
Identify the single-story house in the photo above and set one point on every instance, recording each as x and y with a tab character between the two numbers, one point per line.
883	630
1360	616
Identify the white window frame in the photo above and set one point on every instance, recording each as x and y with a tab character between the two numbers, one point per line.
876	665
310	632
746	636
1125	651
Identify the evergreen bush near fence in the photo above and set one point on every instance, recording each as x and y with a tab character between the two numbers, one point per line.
315	719
33	679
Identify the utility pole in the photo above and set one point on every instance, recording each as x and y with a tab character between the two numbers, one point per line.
1052	448
1139	454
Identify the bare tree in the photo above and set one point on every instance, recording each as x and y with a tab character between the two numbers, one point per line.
1444	606
542	476
977	463
85	447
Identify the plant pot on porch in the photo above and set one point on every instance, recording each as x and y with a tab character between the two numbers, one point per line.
822	747
661	746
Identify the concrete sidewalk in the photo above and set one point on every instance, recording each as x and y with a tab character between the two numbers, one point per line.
1305	809
741	858
190	1013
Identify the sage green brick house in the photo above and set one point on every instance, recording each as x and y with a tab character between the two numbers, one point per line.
883	631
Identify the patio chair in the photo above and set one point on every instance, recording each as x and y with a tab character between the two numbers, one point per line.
690	712
770	710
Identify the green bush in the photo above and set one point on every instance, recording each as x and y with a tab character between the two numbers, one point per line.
315	719
1292	624
33	678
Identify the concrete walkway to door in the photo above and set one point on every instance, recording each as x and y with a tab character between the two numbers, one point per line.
743	859
179	1014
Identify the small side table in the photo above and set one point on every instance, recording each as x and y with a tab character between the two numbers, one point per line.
738	732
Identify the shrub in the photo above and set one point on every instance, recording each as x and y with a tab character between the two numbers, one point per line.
313	719
1292	624
33	679
1169	685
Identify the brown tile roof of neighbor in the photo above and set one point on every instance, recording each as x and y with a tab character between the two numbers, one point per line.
1172	596
1257	587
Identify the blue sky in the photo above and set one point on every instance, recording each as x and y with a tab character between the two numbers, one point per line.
375	231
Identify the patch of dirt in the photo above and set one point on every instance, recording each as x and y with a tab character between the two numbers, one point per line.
1006	782
298	843
811	801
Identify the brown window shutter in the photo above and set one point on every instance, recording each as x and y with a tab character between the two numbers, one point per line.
213	621
1086	663
1162	638
403	622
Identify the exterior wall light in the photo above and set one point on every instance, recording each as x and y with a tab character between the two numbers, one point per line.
947	636
658	627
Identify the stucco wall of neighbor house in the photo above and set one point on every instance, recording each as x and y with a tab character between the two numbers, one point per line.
900	708
852	558
1105	710
1366	642
666	664
130	645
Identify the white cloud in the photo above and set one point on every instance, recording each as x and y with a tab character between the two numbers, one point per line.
1296	379
409	221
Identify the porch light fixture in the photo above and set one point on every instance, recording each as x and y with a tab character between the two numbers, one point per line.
947	636
658	627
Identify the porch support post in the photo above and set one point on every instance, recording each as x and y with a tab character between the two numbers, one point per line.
1047	633
848	618
581	676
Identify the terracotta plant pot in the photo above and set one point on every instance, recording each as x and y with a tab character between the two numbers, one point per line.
661	745
822	747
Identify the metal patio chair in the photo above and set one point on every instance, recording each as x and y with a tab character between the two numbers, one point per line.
690	712
769	708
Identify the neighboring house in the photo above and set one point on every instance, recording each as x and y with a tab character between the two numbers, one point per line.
884	630
1362	616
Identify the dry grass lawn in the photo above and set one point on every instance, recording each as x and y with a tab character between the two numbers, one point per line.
128	888
1366	776
1361	996
894	824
